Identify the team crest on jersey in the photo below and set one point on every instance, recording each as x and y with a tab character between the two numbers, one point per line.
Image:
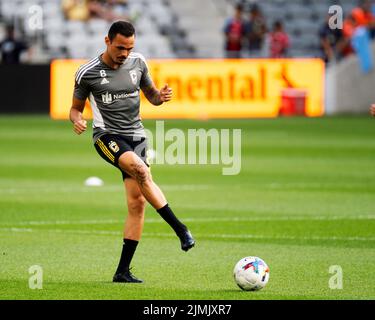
114	147
133	76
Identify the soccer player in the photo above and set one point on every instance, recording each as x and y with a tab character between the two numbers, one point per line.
372	109
112	82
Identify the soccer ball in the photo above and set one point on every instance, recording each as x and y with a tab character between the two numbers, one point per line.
93	182
251	273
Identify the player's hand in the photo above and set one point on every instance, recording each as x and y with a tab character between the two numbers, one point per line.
372	109
80	126
165	93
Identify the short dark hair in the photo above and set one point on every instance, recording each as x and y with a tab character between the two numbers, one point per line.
122	27
255	9
10	28
239	7
277	24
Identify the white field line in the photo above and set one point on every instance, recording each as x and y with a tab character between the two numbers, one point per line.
192	220
253	236
171	235
167	187
108	188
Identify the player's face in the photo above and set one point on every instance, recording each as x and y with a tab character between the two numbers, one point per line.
119	48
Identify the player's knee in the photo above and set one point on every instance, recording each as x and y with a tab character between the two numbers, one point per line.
141	173
130	163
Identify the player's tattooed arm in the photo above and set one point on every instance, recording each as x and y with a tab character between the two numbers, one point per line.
79	124
157	97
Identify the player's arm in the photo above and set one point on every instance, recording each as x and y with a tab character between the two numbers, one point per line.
328	50
155	96
372	109
79	124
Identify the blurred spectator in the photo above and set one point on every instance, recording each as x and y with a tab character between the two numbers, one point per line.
83	10
333	43
348	31
234	31
11	48
364	17
76	9
361	43
278	41
120	8
256	30
109	10
358	37
350	25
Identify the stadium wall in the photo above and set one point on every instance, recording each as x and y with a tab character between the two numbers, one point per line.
203	88
348	89
25	88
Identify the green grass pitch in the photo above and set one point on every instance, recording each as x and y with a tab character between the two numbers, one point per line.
304	201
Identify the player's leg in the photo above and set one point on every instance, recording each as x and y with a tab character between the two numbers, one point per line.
136	203
132	230
136	168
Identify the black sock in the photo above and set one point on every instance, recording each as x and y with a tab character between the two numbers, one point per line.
128	249
167	214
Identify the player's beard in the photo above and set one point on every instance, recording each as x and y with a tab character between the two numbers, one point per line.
121	60
116	60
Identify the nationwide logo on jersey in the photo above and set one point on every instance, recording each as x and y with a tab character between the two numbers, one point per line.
133	76
114	147
107	98
104	81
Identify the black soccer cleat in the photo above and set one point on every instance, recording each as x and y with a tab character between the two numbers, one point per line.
187	240
127	277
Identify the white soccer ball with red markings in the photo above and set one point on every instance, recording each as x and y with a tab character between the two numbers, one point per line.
251	273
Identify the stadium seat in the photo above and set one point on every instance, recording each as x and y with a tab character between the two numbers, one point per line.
183	30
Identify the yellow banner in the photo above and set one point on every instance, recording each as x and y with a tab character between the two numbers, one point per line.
214	88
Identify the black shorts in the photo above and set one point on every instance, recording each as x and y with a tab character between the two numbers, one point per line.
111	146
